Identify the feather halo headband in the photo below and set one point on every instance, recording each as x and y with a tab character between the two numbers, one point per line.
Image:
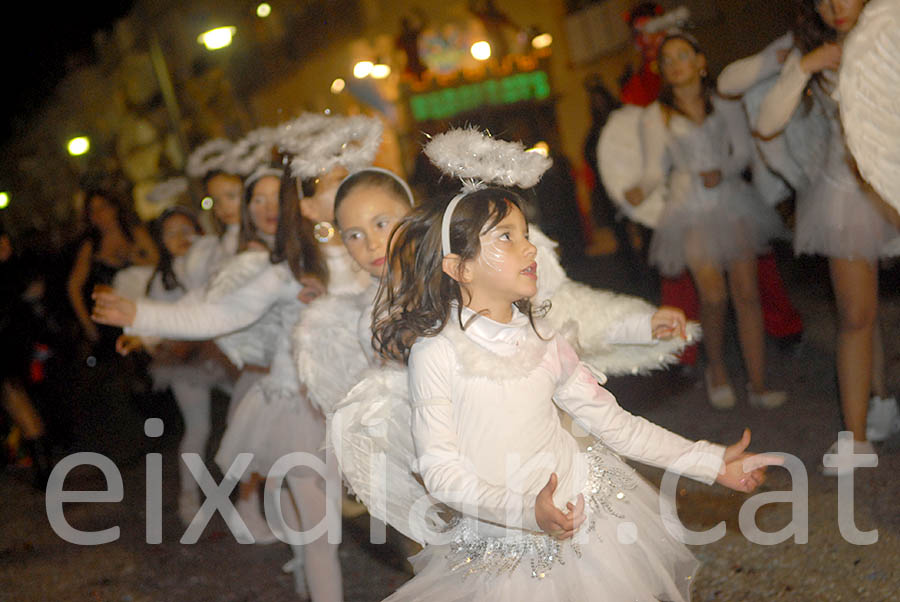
210	156
321	143
480	160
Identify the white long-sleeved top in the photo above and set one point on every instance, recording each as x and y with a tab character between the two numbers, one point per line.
743	74
784	97
208	255
487	435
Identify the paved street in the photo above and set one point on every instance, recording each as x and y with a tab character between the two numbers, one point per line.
36	565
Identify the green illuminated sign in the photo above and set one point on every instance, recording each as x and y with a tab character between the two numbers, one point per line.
448	102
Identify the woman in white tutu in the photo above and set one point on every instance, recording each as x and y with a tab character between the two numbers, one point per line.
484	374
838	215
697	145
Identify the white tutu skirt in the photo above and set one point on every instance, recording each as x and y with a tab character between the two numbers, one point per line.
837	217
202	368
711	226
631	557
269	423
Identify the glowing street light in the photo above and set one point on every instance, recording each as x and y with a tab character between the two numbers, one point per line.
541	148
338	85
4	200
263	10
362	69
79	145
481	51
541	41
217	38
380	71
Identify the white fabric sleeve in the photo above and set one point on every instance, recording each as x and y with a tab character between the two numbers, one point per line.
743	74
447	474
200	319
739	137
596	410
782	100
632	329
656	161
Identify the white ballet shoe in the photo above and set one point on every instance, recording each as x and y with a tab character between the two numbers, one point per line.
721	397
883	419
767	399
297	566
188	505
255	521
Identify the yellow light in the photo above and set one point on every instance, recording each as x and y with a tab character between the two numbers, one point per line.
541	148
338	85
4	200
207	203
362	69
217	38
481	50
380	71
78	146
263	10
541	41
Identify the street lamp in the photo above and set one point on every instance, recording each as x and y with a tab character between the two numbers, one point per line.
541	41
4	200
363	69
380	71
217	38
79	145
338	85
263	10
481	51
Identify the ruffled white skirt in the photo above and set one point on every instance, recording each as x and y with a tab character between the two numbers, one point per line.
837	217
629	557
271	422
711	226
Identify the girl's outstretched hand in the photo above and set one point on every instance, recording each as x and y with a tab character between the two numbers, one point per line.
113	309
550	519
668	322
744	471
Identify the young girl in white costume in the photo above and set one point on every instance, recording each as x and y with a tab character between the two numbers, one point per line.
838	215
256	299
483	378
713	223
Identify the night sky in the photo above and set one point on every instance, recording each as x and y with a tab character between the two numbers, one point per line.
36	41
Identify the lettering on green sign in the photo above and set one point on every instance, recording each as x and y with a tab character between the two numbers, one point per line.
448	102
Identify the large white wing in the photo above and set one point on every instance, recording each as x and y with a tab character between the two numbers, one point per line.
869	88
370	434
621	162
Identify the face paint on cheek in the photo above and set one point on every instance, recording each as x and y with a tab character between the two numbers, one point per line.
492	255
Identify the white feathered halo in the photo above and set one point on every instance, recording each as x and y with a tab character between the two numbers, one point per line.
207	157
349	142
167	190
479	159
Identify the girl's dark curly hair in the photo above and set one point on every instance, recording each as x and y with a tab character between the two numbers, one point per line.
165	265
416	296
810	31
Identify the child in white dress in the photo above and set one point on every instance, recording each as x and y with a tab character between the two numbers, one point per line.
485	379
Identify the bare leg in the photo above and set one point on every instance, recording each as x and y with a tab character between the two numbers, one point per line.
742	278
855	285
18	405
713	303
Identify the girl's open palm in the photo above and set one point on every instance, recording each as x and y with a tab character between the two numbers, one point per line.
113	309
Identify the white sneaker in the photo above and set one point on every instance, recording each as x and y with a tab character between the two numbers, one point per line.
859	447
883	419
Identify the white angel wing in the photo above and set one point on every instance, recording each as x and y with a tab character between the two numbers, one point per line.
584	316
371	437
327	351
132	281
869	87
620	161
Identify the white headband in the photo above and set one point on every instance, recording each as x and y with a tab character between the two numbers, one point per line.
387	172
262	172
445	222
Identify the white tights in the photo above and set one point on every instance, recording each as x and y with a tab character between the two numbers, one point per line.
194	402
